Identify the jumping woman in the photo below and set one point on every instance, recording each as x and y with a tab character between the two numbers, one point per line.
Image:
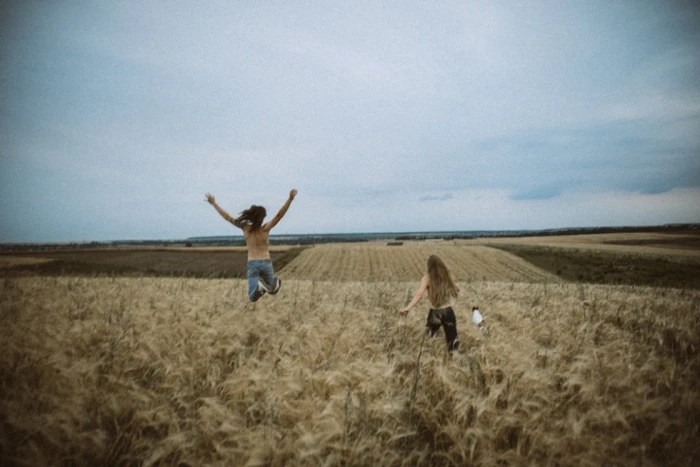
441	291
261	276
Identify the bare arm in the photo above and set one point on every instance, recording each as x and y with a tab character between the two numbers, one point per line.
278	217
221	211
419	295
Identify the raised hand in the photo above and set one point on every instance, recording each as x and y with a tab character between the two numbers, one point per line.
210	198
292	194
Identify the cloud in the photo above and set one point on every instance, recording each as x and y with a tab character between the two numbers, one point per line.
373	111
445	197
536	194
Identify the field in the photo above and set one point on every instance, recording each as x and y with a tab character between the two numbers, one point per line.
101	369
378	262
138	262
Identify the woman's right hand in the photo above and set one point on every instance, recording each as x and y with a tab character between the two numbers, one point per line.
403	311
210	198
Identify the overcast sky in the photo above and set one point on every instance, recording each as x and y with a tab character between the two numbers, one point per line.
117	117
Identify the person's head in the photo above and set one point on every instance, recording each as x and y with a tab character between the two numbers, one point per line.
253	216
441	284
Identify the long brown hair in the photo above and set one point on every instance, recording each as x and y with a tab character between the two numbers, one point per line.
441	285
253	216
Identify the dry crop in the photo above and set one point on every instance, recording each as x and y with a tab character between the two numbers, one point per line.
174	371
389	263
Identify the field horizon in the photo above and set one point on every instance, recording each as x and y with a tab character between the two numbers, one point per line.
351	237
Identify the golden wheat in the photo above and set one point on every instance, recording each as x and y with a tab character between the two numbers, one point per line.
126	371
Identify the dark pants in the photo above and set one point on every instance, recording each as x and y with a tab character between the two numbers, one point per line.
444	317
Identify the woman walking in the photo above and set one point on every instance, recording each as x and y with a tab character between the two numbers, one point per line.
441	291
261	276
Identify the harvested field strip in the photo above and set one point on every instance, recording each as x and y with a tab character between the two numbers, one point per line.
675	247
168	371
372	262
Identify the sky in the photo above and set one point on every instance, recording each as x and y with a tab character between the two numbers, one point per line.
117	117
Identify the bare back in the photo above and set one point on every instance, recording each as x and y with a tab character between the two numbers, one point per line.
257	242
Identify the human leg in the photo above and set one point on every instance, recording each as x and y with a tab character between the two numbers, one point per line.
434	322
267	274
255	288
449	325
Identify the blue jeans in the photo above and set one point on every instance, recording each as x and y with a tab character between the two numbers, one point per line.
257	269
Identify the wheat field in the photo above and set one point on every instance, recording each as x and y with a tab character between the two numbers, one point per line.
379	262
176	371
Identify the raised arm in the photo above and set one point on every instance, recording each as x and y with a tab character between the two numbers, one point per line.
278	217
419	295
211	200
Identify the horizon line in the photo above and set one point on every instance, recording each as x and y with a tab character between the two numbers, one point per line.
376	233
